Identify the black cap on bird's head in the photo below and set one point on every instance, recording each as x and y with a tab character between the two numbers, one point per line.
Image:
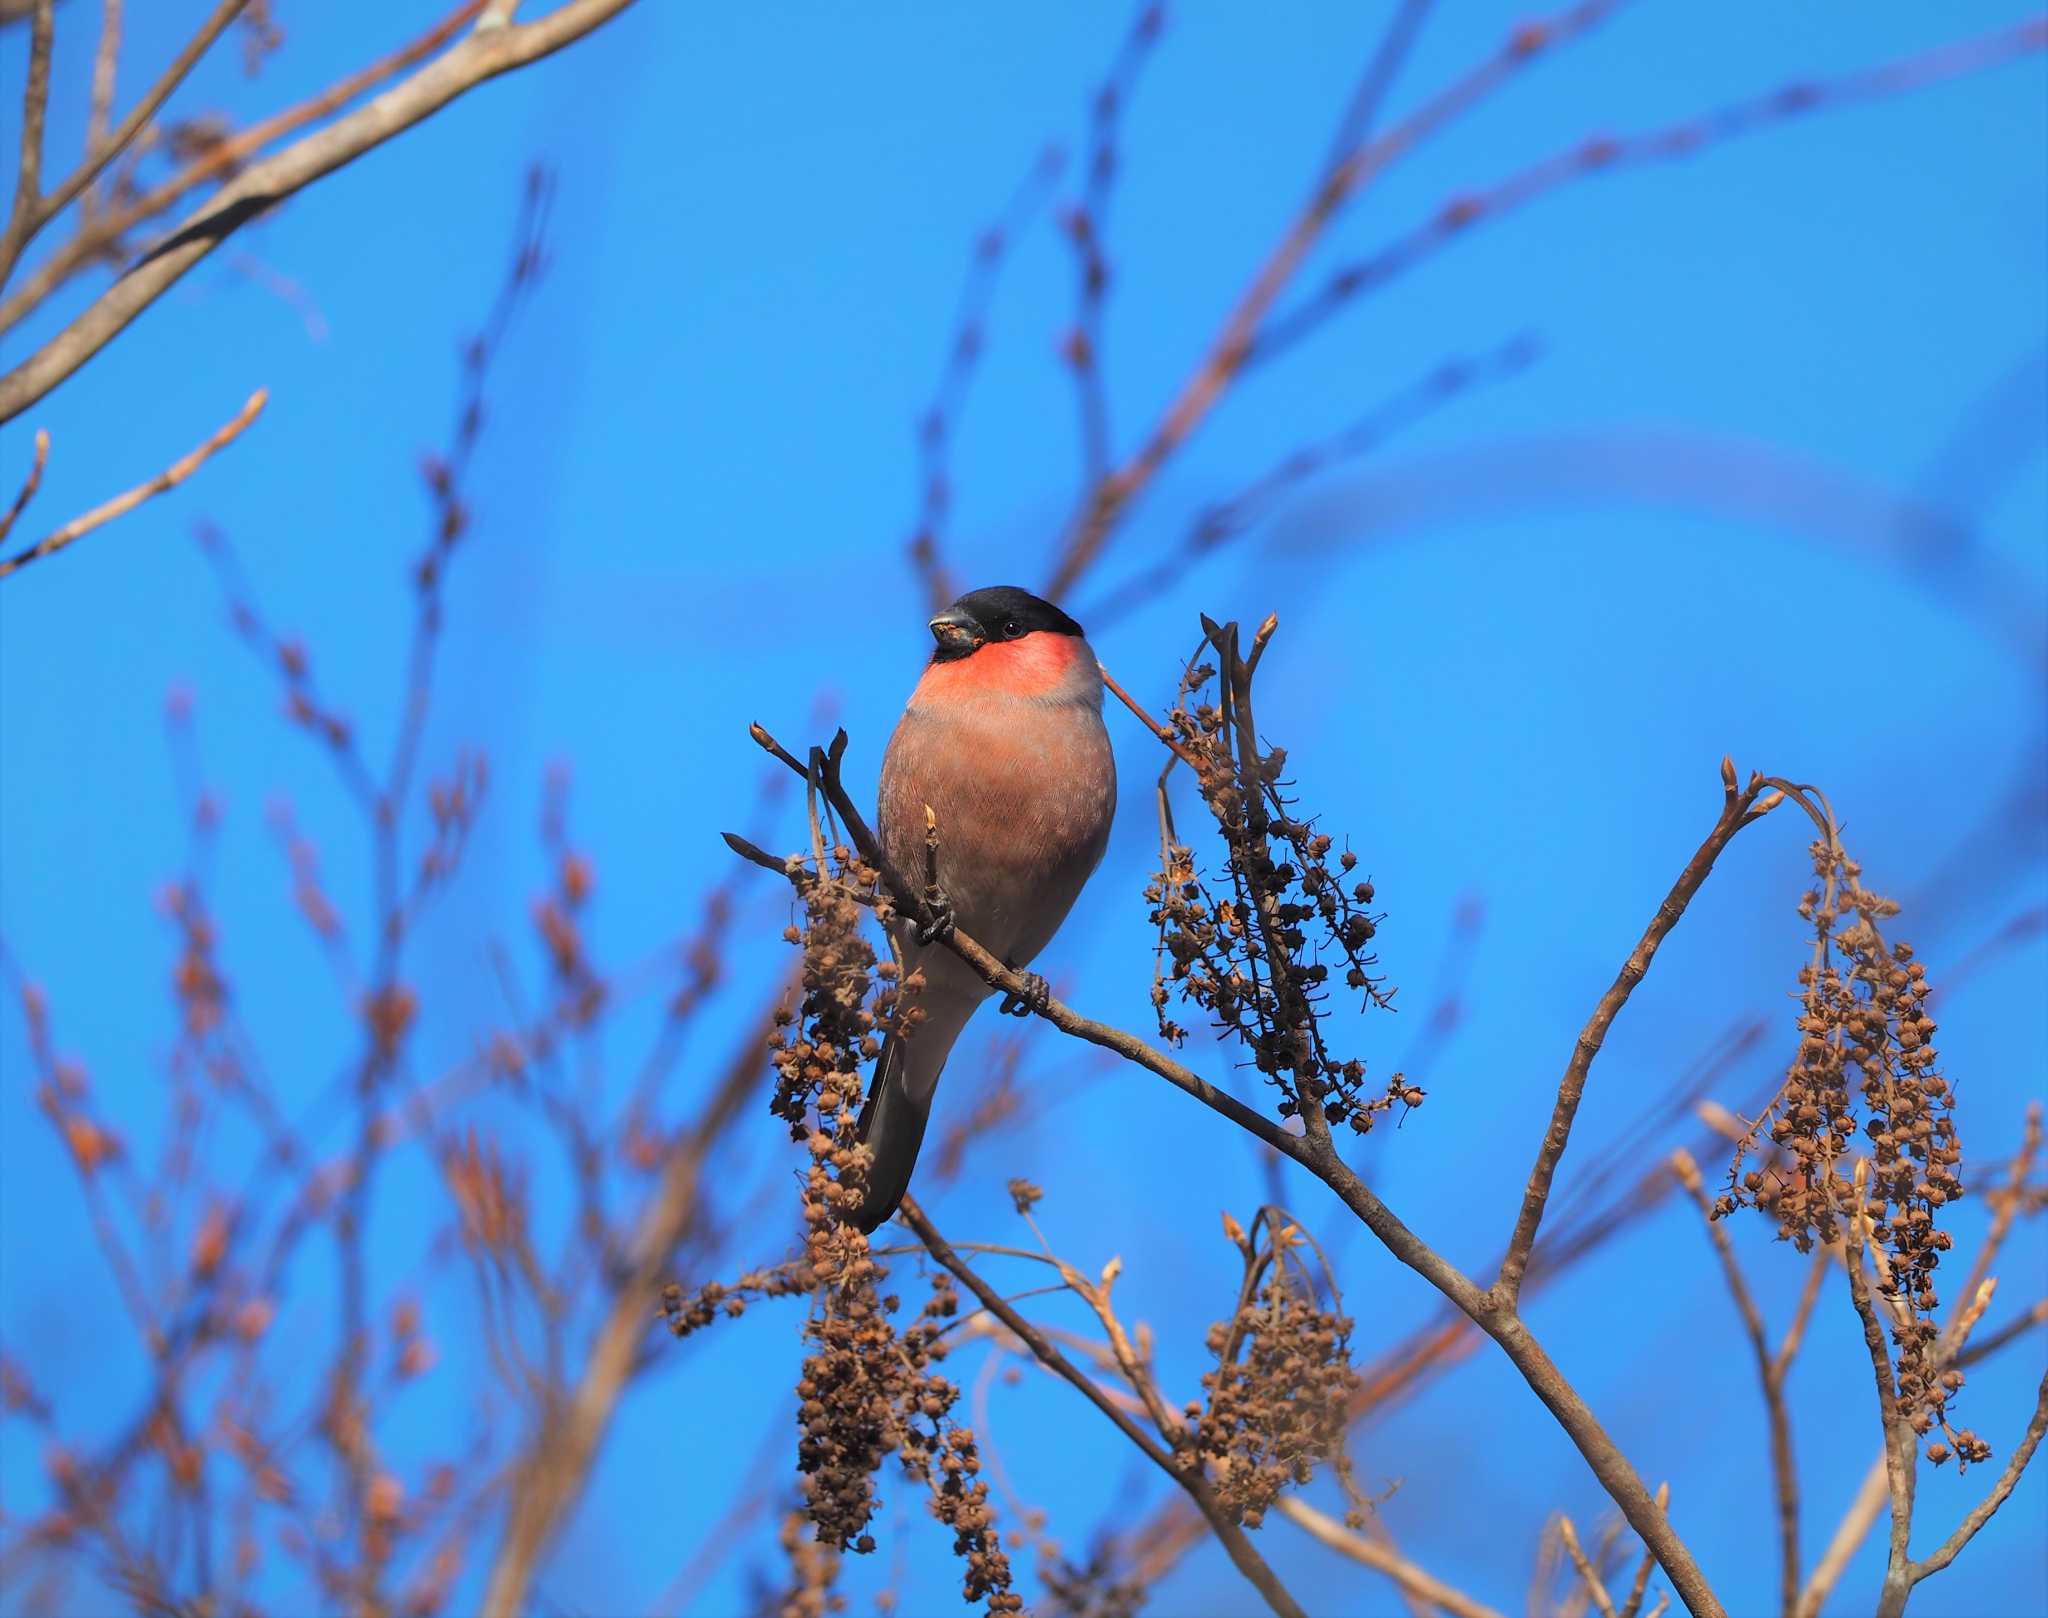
1001	612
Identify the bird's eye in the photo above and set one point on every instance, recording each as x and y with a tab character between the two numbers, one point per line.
1012	629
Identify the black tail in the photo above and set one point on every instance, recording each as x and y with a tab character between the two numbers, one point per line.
892	1127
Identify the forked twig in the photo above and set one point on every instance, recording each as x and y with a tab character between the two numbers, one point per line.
169	478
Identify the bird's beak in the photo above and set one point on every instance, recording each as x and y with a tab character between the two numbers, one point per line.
956	633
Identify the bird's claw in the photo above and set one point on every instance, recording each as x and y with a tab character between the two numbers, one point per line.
940	927
1037	996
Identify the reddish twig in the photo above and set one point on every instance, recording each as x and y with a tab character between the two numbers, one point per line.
1226	358
1603	154
942	416
1087	228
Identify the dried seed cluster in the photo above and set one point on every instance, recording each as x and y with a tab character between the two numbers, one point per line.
1278	1396
1098	1588
1866	1060
813	1570
865	1390
1257	955
687	1312
818	1064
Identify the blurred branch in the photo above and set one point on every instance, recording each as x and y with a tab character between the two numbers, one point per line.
477	58
1602	154
1596	1587
556	1465
33	210
1770	1370
105	65
35	104
941	419
1225	519
1205	387
1397	41
100	236
169	478
1412	1580
1087	228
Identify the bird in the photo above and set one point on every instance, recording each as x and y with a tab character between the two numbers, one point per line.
1002	743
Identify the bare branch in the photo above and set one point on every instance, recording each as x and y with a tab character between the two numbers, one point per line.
1397	39
1966	1530
101	236
477	58
35	105
1412	1579
1849	1535
105	64
941	418
1735	814
2005	1203
1644	1568
30	484
1596	1587
1770	1371
97	158
1248	1561
552	1473
1213	377
1899	1456
1600	154
2011	1331
169	478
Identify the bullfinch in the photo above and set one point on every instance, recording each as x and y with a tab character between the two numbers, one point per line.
1003	739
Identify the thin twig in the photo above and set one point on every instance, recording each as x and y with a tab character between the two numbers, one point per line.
97	158
1165	736
1899	1455
1397	39
1638	1589
1601	154
1966	1530
101	237
1795	1334
478	58
1770	1377
1736	812
1849	1535
1412	1580
171	476
552	1473
1596	1587
30	484
1249	1562
1226	357
105	65
35	105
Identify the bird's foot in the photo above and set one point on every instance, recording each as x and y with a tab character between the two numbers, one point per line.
940	927
1037	996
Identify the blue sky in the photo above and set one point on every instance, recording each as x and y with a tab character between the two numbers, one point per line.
1775	487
